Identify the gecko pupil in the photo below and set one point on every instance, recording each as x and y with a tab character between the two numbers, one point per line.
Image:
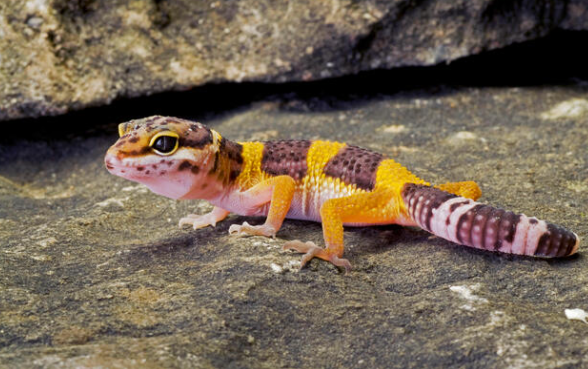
165	144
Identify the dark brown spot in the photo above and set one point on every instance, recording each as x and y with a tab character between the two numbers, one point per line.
569	244
430	198
514	221
481	214
543	245
491	227
163	172
287	157
456	205
556	236
195	169
533	221
465	224
436	199
494	224
216	162
507	227
355	165
134	139
147	172
140	168
204	185
416	198
184	165
556	241
197	138
234	174
233	150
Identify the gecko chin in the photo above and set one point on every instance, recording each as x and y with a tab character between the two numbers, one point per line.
174	189
165	181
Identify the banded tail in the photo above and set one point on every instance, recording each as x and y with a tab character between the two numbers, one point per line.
466	222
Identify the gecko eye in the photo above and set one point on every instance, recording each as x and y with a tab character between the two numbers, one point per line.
164	143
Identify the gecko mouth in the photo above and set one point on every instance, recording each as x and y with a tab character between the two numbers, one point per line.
111	162
116	167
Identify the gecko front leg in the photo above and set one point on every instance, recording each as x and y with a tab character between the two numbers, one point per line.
200	221
278	191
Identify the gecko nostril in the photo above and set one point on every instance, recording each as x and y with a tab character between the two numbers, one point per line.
108	163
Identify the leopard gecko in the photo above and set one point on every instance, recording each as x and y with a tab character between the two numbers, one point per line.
334	183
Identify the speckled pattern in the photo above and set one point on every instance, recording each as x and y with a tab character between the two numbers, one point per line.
285	157
355	166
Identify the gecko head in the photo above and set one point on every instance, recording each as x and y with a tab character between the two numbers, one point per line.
168	155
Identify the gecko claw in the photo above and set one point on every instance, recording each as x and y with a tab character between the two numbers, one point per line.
311	250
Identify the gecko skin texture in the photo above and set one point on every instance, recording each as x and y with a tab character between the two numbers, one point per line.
328	182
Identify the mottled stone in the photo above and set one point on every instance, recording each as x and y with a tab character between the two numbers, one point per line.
94	271
57	56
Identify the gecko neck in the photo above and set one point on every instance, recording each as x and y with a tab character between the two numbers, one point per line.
221	178
228	162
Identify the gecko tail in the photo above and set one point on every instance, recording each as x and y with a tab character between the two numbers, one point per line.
466	222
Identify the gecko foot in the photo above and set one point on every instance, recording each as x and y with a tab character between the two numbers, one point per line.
246	228
311	250
198	221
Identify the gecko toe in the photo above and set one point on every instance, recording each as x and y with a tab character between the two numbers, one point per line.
198	221
247	229
340	262
311	250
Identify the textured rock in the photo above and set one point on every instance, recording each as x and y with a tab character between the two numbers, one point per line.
95	273
60	55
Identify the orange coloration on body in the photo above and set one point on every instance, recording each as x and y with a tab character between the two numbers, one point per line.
251	173
330	182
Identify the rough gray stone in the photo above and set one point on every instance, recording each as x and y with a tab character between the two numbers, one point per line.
62	55
95	273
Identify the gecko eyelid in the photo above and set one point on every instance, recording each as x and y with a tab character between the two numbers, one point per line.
165	143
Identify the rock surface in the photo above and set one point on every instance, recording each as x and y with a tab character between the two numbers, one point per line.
95	273
62	55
